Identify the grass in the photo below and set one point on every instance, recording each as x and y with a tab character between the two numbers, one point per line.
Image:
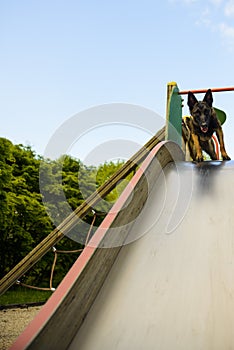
21	295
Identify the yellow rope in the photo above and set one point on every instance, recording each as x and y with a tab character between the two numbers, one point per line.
56	252
90	229
33	287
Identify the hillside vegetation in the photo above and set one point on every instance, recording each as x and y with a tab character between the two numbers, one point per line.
24	212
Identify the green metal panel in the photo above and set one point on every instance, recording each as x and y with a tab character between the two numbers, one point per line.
174	114
221	115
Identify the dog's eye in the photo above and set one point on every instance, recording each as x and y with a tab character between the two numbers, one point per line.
206	112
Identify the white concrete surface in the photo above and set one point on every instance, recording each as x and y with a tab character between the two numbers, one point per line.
173	288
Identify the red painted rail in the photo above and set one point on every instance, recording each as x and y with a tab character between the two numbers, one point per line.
204	90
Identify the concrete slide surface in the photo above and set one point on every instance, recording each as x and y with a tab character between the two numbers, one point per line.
172	286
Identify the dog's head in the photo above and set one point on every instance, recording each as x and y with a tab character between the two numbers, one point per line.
201	111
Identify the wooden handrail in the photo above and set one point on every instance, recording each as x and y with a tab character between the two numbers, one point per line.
58	233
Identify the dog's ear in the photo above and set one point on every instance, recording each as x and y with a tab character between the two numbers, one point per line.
208	98
191	100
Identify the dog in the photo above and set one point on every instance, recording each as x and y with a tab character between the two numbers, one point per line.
202	124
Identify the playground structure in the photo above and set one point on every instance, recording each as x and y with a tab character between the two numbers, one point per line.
166	280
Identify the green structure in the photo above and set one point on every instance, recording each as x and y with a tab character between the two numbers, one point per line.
174	114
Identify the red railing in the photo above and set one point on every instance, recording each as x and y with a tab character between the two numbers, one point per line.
204	90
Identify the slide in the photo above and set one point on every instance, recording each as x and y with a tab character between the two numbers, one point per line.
158	273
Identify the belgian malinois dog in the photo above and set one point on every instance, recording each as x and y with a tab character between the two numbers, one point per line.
202	124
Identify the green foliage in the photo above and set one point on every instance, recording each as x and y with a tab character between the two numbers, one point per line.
21	295
24	206
23	218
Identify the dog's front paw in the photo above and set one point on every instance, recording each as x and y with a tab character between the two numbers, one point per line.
225	157
199	158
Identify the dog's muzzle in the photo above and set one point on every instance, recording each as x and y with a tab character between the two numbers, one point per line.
204	128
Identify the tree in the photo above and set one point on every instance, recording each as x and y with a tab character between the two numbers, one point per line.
22	215
37	194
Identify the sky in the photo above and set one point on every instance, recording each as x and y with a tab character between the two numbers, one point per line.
61	58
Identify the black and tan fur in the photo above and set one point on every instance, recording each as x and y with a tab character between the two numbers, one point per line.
202	124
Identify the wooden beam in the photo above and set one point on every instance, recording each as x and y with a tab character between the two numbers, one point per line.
58	233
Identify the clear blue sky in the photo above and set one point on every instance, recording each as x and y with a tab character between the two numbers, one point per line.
61	57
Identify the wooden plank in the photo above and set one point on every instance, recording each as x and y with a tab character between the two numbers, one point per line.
65	311
56	235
